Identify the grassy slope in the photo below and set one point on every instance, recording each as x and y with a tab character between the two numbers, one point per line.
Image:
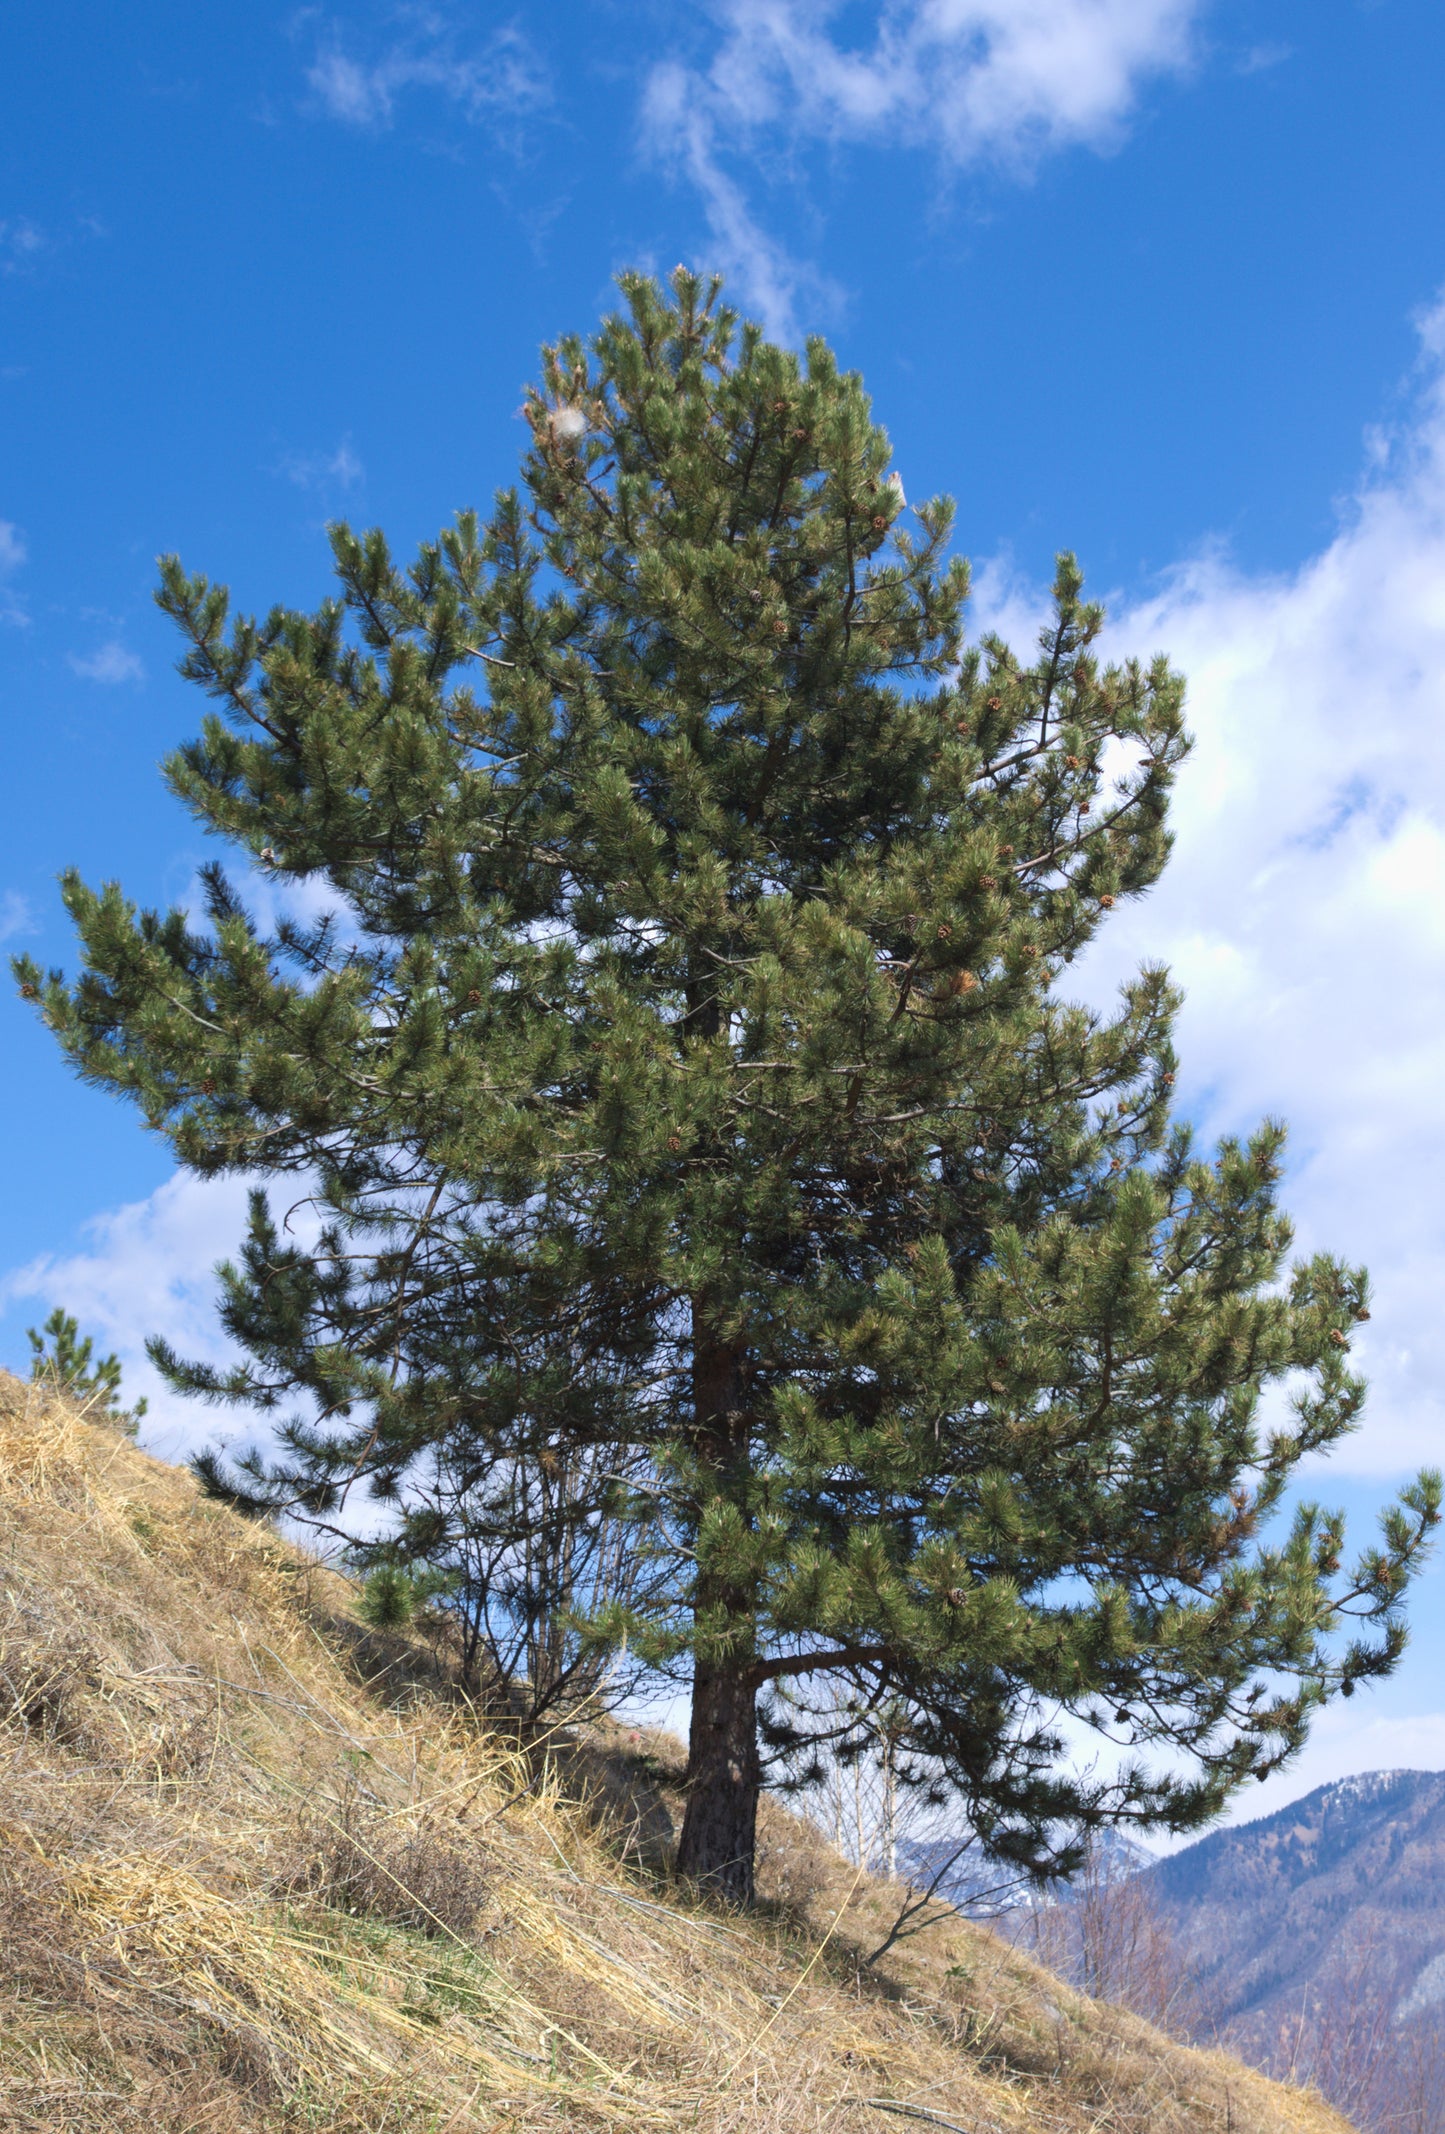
258	1870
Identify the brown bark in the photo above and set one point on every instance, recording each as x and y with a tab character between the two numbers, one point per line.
724	1770
724	1779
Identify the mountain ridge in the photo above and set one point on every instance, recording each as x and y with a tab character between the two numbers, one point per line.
1282	1906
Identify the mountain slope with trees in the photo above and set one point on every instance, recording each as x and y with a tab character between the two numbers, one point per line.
1331	1910
1311	1941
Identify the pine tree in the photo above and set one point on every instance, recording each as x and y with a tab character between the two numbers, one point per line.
686	1067
67	1365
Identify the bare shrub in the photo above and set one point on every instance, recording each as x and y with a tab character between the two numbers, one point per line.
48	1672
795	1863
1109	1937
408	1873
887	1809
1352	2038
629	1779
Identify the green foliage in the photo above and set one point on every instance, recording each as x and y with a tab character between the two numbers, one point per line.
683	1072
392	1595
67	1365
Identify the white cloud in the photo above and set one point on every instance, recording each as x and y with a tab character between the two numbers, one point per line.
1343	1740
1304	908
148	1269
1006	79
502	75
111	663
341	469
999	81
16	916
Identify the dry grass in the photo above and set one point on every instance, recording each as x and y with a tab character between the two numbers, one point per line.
261	1871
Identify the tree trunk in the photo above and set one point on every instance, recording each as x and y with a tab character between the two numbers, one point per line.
724	1770
724	1779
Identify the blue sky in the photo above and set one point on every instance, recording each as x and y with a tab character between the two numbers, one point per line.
1160	280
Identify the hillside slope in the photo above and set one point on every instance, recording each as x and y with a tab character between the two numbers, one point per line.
260	1869
1342	1889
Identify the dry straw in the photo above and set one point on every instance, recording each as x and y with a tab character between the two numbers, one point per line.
263	1869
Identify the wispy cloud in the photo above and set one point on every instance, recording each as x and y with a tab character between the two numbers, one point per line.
998	81
682	131
324	471
13	555
502	74
1259	58
20	240
16	916
110	664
